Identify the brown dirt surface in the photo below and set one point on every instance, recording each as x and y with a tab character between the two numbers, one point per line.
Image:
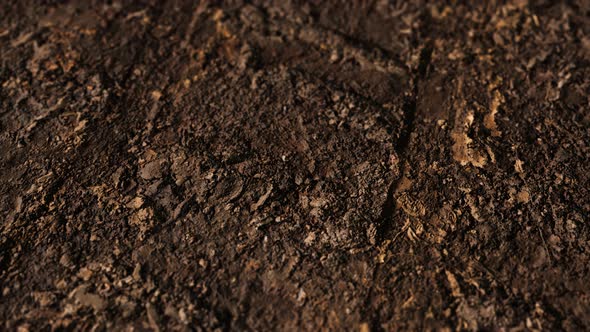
295	165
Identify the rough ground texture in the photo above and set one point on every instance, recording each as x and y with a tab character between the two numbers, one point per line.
284	165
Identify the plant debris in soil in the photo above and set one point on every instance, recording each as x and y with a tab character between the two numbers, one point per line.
295	165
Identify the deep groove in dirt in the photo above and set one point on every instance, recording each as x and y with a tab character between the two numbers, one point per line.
385	222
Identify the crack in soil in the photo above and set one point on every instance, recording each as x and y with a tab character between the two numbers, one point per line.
385	224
